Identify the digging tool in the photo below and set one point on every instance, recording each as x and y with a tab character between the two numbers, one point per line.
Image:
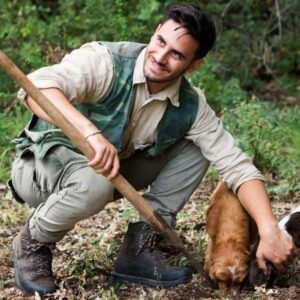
119	182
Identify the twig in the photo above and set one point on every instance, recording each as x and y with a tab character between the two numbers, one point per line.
225	10
278	14
224	13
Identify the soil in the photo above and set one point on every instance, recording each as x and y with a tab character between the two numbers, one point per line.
84	259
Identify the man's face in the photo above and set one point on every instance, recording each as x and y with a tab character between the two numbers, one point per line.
169	54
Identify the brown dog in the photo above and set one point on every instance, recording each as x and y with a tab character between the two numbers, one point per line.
228	249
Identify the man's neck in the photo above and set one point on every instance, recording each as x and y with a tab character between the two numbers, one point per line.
156	87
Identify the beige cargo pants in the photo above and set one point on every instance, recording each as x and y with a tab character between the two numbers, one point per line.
63	190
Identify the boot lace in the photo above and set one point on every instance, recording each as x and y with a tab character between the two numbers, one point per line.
148	240
40	255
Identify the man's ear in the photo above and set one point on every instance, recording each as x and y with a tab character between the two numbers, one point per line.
196	64
157	28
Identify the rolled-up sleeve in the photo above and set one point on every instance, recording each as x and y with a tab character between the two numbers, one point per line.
84	75
220	149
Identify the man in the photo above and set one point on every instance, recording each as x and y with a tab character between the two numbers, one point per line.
142	118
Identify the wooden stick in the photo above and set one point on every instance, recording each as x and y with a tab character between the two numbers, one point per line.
120	183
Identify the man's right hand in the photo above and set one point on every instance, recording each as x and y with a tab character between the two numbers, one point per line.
106	160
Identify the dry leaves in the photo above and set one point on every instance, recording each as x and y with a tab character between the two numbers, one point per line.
84	259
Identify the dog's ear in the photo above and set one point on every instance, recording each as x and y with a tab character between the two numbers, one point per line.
292	226
214	211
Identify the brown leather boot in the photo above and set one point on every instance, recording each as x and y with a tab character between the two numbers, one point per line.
33	264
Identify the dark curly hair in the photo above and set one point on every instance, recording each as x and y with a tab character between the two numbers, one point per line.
198	24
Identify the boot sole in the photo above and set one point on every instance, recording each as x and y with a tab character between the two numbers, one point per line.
118	277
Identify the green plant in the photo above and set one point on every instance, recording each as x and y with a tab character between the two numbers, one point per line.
85	265
108	294
201	246
13	118
3	283
130	214
12	213
269	136
219	93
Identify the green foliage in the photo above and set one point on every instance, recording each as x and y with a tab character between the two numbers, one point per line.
90	262
3	283
13	117
108	294
113	246
219	93
257	42
29	28
12	213
130	214
269	136
257	49
22	35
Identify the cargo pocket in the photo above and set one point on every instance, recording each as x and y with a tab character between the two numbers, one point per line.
24	180
40	194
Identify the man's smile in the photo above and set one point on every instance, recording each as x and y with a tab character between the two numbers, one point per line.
158	66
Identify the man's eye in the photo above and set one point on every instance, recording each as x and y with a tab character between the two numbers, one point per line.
160	42
177	55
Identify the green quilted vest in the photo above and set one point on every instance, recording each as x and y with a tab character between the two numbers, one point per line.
112	113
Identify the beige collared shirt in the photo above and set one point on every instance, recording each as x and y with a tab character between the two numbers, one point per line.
85	75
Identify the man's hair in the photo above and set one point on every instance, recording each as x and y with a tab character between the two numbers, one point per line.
198	24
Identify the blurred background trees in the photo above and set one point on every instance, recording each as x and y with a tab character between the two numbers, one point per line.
251	78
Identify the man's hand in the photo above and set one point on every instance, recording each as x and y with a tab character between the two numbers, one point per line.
106	160
275	246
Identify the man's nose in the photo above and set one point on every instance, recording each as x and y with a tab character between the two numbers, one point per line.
161	56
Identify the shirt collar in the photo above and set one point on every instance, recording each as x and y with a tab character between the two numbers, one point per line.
171	91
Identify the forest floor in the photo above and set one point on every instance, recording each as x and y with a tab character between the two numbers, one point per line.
83	260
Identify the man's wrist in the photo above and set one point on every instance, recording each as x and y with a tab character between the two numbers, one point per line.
87	128
92	134
266	228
